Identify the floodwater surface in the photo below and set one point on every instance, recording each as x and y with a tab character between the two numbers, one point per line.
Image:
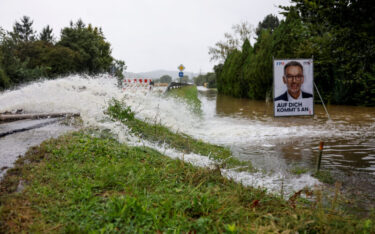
289	144
349	137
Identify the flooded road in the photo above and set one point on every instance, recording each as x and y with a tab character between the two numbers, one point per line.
16	144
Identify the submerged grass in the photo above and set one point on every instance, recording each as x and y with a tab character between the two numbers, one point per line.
298	170
79	184
190	95
325	177
158	133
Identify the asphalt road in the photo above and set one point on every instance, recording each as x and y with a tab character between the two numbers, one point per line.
17	137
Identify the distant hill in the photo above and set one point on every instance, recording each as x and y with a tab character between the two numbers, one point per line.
157	74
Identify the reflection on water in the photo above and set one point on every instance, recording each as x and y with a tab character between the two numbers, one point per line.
236	107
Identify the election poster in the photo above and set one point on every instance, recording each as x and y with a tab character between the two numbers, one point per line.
293	87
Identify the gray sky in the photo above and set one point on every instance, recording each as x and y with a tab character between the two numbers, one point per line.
147	34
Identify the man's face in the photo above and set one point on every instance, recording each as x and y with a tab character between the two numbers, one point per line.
293	79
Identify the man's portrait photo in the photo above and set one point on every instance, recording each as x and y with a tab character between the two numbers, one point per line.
293	87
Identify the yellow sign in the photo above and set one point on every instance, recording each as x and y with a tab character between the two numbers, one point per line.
181	67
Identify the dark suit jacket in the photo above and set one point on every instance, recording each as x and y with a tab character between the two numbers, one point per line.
284	96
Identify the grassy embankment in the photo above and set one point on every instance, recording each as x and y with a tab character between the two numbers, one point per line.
80	183
157	133
190	95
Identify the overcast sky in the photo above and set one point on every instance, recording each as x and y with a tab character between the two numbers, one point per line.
147	34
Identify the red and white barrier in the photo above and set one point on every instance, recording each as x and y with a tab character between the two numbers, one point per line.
136	83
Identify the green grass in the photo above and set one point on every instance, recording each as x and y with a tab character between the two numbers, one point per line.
82	184
297	170
325	177
157	133
190	95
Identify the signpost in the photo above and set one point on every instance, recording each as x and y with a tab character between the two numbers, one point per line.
181	74
181	67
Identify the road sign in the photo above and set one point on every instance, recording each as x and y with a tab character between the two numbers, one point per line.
181	67
181	74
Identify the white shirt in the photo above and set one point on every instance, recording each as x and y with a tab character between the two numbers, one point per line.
290	98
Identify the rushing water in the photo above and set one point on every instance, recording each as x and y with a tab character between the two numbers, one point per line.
274	145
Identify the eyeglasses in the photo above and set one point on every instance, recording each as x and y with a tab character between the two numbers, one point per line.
297	78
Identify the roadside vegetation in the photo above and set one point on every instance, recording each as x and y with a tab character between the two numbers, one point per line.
157	133
79	184
189	94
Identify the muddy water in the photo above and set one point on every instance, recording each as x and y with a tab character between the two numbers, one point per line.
349	144
286	143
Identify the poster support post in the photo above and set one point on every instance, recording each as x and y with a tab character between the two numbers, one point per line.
321	99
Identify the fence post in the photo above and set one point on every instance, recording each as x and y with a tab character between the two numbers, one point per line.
321	145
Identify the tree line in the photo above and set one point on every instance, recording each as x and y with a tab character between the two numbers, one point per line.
209	79
26	56
339	35
168	79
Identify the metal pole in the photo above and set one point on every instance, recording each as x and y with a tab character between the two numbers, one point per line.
321	145
329	117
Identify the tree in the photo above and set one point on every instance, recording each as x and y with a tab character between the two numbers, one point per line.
346	51
118	67
244	79
232	42
4	79
24	31
81	49
270	22
2	35
260	73
228	81
46	35
90	43
22	54
165	79
248	73
62	60
209	79
338	33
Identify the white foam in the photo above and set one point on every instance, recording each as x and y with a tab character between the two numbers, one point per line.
274	183
88	96
202	88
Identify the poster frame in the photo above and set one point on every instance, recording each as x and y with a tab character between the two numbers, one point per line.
274	91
